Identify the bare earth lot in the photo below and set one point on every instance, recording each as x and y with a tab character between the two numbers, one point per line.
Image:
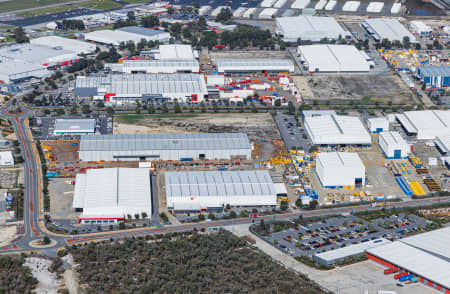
259	125
383	88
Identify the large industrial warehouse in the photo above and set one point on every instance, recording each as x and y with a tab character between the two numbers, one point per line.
425	124
434	76
254	65
332	58
37	54
124	88
109	195
13	72
74	127
387	28
338	169
125	34
79	47
393	145
425	256
308	28
336	130
213	190
165	147
155	66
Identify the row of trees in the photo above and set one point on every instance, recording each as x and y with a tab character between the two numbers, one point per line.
70	24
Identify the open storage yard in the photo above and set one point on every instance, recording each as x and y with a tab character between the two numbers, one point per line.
380	88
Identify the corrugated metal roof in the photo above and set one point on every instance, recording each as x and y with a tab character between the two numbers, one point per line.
37	54
138	84
74	125
141	31
351	250
200	141
340	159
436	242
176	51
393	138
336	129
416	261
113	191
66	43
389	28
434	71
219	183
334	58
430	121
307	27
11	71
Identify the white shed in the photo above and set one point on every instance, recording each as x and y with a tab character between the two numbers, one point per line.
377	124
337	169
393	145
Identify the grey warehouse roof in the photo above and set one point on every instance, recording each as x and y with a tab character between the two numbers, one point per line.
219	183
434	71
74	125
141	31
144	83
201	141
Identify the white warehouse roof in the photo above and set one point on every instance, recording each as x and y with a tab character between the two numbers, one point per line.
218	188
333	58
388	28
176	52
336	129
113	192
416	261
443	143
6	158
377	124
137	85
391	143
250	65
333	255
155	66
36	54
336	169
427	124
419	27
164	146
65	43
13	70
313	28
74	126
434	242
118	36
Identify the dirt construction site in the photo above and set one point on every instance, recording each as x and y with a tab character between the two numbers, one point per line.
379	88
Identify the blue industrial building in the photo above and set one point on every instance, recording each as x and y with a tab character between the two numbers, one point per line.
434	76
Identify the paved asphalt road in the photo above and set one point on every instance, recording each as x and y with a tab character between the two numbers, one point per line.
33	219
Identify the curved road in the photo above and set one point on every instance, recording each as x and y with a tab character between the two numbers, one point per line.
33	216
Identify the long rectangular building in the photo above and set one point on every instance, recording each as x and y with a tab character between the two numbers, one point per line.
165	147
213	190
426	124
333	58
155	66
336	130
388	28
434	76
337	169
254	65
112	194
134	34
74	126
308	28
124	88
425	256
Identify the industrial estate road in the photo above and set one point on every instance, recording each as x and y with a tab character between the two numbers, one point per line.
33	214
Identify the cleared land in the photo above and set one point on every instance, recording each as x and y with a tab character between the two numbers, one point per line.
383	88
259	125
100	4
197	263
62	150
25	4
48	10
61	198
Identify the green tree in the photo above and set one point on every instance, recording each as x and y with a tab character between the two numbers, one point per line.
224	15
86	109
110	111
20	35
177	107
298	202
150	21
46	240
